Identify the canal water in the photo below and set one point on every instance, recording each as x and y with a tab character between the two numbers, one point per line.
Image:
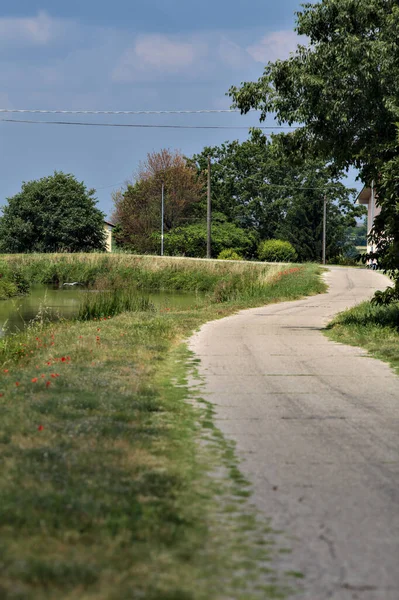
16	313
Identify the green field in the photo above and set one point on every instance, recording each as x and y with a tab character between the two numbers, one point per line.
115	483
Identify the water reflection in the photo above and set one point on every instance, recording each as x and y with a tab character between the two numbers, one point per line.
64	302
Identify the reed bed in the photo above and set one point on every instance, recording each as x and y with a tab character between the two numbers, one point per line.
107	304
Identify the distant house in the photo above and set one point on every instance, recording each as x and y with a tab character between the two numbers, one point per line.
367	197
109	227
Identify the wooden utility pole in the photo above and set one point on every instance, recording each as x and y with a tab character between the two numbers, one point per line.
209	214
162	217
324	228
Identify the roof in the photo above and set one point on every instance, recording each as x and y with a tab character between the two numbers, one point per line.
109	223
365	196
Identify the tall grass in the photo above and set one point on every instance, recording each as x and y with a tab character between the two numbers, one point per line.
103	304
375	328
222	280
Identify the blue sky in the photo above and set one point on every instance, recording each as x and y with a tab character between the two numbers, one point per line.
127	55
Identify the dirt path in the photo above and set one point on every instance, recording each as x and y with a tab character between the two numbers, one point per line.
317	426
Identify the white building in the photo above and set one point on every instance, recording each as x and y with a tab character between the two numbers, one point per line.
367	197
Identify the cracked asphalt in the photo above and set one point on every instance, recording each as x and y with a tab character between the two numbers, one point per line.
316	425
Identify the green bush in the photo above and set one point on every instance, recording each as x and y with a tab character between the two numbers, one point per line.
276	251
229	254
190	240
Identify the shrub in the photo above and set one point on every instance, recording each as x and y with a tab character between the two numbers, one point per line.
190	240
276	251
229	254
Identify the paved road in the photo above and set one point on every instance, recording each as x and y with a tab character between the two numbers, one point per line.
317	426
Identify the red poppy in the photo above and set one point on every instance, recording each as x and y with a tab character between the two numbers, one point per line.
43	376
53	375
5	370
1	395
63	359
17	383
34	380
40	428
48	383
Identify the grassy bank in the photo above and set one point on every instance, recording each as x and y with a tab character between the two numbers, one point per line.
12	280
112	484
375	328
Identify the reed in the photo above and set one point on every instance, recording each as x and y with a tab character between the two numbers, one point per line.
105	304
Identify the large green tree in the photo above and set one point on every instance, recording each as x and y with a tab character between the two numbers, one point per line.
52	214
260	187
342	88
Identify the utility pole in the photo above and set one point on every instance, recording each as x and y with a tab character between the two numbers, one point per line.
162	217
209	214
324	228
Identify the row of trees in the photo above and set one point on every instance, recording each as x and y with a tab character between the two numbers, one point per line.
259	192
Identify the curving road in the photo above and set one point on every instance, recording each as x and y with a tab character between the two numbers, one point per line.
317	427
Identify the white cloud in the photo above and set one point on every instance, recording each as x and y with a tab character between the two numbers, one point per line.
275	45
233	55
159	54
39	30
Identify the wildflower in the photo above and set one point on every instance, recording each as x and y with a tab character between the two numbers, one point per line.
40	428
5	370
43	376
53	375
48	383
63	359
49	363
1	395
34	380
17	383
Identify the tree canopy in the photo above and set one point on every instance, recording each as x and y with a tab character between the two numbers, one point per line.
342	88
52	214
138	205
261	188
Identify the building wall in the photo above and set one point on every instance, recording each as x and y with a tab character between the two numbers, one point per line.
108	231
373	211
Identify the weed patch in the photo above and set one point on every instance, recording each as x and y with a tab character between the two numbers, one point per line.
375	328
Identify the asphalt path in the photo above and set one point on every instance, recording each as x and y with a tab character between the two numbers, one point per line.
316	425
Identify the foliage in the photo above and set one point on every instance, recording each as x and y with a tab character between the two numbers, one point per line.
259	186
138	205
276	251
55	213
229	254
357	236
190	240
385	234
12	281
107	304
343	89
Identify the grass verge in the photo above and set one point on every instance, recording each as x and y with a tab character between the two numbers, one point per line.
112	485
375	328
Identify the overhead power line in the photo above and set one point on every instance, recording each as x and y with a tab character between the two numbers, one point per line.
120	112
139	125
